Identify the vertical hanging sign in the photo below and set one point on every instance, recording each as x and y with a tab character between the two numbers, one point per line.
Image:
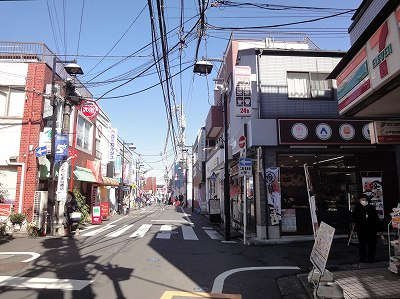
112	150
242	85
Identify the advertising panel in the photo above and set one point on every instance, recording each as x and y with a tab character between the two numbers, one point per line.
242	88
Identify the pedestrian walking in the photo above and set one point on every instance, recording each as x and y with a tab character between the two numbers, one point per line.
366	224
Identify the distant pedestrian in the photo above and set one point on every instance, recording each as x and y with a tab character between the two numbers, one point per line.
366	224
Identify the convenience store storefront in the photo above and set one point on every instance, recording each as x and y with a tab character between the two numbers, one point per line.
341	162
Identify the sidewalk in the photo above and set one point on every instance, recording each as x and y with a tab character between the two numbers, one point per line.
357	280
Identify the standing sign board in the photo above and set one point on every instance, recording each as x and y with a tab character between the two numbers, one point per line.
242	85
215	210
104	210
245	166
61	147
96	215
322	246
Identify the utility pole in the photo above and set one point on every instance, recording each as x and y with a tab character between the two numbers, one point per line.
227	206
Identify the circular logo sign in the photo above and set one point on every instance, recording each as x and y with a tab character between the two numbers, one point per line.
270	177
299	131
242	141
323	131
365	132
347	131
90	109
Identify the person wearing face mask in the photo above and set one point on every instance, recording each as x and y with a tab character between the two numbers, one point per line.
366	224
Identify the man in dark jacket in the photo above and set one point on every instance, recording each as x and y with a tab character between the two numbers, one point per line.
366	224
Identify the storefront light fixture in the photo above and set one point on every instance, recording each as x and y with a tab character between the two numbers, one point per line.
328	160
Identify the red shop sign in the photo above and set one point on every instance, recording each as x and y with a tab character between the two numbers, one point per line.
90	109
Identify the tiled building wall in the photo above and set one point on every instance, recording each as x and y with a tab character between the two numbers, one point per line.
38	76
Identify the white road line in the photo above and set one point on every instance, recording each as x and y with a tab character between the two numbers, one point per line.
172	221
120	231
219	281
213	234
99	230
165	232
33	254
139	233
43	283
188	233
186	216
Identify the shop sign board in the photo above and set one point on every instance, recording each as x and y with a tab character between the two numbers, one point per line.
96	215
104	211
242	85
61	147
215	210
324	131
5	211
374	65
90	109
62	183
385	132
112	150
322	246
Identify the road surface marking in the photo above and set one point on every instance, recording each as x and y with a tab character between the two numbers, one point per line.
219	281
175	294
172	221
99	230
213	234
43	283
188	233
165	232
139	233
120	231
33	254
187	217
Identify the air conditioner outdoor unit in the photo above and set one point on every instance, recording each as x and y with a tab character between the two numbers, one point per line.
39	208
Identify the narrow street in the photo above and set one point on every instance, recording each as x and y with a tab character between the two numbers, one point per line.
155	251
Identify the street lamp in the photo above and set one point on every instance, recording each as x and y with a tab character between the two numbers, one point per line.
201	69
73	71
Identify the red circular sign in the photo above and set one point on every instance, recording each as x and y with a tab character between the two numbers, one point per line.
90	109
242	141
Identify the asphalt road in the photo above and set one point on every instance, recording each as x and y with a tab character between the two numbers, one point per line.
159	252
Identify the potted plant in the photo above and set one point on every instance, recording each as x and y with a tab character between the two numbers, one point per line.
32	229
16	219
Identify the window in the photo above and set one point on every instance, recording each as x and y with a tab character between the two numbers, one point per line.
12	101
309	85
84	133
98	150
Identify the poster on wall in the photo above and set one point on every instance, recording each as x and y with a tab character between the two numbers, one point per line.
273	194
372	186
288	224
311	200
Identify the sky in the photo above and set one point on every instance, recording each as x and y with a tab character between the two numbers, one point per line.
111	41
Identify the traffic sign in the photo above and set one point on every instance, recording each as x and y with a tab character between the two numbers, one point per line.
90	109
242	141
41	151
245	166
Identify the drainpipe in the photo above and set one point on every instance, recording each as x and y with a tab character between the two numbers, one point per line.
22	183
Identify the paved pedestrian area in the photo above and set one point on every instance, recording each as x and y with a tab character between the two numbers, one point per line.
368	283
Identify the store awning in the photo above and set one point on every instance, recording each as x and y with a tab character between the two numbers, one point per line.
84	174
110	181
